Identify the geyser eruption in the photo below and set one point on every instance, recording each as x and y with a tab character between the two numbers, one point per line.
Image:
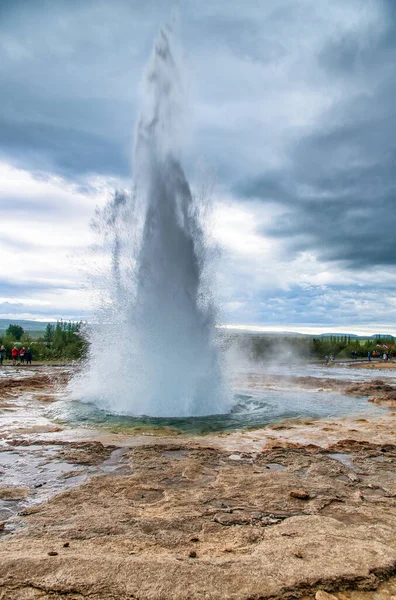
153	351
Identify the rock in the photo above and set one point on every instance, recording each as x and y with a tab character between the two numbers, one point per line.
5	513
192	554
30	510
194	539
66	544
299	494
235	457
104	516
265	521
52	553
322	595
226	519
13	492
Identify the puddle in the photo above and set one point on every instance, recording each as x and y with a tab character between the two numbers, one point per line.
275	467
5	509
36	468
382	459
118	462
345	459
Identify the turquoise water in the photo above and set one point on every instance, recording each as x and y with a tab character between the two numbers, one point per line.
250	410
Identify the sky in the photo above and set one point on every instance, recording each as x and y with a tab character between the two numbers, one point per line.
290	104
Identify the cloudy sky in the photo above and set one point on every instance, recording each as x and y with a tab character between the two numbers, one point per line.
291	103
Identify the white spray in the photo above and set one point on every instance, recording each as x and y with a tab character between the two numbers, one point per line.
153	350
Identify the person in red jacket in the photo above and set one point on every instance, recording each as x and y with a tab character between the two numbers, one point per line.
22	352
14	354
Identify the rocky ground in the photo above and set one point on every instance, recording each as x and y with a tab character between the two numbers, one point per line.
298	509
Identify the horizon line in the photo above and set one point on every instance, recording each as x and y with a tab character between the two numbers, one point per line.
303	329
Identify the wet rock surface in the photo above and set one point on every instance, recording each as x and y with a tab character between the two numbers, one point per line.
302	509
254	533
379	390
32	380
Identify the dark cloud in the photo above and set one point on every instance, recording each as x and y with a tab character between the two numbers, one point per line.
69	73
270	187
338	186
24	289
61	148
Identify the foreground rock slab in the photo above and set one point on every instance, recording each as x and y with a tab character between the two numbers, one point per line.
189	521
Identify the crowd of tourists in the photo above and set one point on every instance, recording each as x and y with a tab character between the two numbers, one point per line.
18	356
382	355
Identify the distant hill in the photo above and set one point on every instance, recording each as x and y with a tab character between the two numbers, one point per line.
350	335
285	333
240	331
27	325
293	334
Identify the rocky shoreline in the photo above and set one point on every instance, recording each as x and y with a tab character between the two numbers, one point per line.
293	510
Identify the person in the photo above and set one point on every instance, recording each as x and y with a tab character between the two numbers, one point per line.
28	356
2	355
14	355
327	359
22	355
385	357
369	356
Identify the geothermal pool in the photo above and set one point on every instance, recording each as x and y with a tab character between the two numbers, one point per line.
261	396
249	410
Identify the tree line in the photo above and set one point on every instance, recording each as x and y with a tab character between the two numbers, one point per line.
61	341
65	340
260	347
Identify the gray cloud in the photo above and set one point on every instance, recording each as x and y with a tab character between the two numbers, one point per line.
69	73
292	102
338	186
61	148
26	288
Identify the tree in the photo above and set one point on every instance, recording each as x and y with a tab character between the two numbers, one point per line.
26	339
15	331
49	333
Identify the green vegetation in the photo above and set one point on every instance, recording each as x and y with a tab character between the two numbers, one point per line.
261	347
63	341
15	332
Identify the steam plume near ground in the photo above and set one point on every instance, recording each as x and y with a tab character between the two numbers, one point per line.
153	350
